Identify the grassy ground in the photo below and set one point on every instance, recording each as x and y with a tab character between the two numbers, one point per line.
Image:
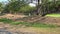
53	15
8	21
38	28
42	30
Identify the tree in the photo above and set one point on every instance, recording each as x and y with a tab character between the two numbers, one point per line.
45	6
41	8
38	7
27	9
14	6
1	7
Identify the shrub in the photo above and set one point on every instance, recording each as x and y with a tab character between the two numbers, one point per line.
27	9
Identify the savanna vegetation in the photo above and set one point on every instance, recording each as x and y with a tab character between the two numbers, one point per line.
44	18
27	24
17	7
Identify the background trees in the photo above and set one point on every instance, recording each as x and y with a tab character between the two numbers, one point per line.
1	7
18	6
14	6
48	6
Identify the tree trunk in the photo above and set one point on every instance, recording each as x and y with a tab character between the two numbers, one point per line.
38	9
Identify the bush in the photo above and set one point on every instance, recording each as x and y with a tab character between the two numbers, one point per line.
27	9
14	6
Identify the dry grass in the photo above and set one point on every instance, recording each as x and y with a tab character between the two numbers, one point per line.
30	29
39	30
12	16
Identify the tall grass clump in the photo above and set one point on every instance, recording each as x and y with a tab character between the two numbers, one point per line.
5	20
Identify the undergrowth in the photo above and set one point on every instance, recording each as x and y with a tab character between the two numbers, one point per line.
9	21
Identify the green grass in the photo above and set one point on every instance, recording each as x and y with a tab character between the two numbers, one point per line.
8	21
5	20
53	15
35	24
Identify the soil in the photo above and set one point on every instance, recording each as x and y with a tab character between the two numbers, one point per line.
50	20
46	19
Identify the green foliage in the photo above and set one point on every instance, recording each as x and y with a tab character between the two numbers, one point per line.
49	7
1	6
15	6
27	8
53	6
57	3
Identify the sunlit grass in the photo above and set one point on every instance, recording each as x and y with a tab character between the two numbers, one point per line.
53	15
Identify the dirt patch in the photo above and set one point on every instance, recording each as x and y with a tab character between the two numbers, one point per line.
12	16
29	30
48	20
51	20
